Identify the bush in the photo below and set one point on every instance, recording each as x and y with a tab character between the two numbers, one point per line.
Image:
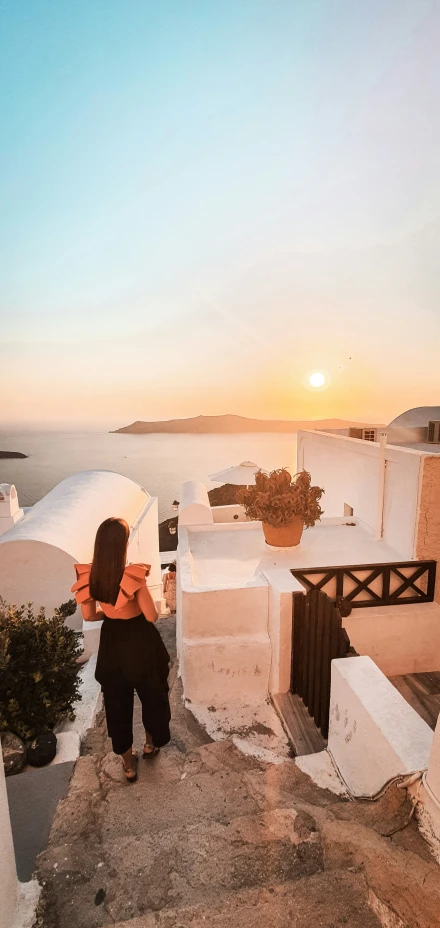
277	498
67	609
39	670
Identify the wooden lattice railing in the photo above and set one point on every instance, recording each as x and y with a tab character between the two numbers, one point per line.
399	583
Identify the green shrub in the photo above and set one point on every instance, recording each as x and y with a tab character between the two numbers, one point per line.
39	670
67	609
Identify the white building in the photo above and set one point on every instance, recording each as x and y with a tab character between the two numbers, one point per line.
417	428
38	552
236	595
379	508
10	512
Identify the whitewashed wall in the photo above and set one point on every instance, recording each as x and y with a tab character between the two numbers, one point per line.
399	639
223	640
31	571
348	469
369	719
233	513
194	506
8	873
281	585
144	545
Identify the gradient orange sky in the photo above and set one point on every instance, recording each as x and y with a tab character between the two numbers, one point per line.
204	203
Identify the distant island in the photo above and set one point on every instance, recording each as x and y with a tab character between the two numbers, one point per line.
12	454
203	425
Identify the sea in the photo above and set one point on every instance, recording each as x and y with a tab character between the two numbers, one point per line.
160	463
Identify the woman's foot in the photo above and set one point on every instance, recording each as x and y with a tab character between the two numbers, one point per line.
149	749
129	763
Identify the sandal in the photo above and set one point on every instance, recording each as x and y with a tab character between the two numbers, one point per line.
131	772
153	752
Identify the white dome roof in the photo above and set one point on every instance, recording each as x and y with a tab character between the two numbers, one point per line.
416	418
70	514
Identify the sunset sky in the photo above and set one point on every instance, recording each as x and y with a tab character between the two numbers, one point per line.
204	201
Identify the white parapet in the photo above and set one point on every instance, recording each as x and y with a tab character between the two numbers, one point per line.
224	613
433	775
18	901
232	513
399	639
427	795
195	508
91	634
226	670
8	873
374	734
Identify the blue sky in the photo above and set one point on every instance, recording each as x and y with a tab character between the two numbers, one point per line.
201	201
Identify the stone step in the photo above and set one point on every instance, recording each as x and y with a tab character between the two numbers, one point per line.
209	836
323	900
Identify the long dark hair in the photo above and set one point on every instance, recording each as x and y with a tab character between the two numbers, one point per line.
109	559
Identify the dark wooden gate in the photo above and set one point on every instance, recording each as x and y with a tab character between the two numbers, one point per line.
318	638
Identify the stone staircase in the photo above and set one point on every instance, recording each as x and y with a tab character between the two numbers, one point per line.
210	837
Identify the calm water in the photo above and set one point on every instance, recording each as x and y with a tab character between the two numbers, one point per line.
161	463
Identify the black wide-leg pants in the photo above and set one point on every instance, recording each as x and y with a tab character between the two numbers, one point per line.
119	704
132	658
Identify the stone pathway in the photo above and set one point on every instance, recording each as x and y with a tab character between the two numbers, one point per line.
209	836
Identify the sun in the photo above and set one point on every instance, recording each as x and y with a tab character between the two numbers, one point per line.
317	379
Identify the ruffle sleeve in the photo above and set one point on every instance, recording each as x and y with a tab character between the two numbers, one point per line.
81	588
134	577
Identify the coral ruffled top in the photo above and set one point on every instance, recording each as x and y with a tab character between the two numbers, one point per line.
133	580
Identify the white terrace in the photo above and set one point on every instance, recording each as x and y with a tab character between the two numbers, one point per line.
235	586
228	556
236	596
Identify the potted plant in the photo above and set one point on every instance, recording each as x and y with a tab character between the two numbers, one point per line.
283	504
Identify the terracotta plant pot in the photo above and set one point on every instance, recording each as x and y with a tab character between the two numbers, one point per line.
285	536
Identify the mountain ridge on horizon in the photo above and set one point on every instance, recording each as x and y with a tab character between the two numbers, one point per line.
231	423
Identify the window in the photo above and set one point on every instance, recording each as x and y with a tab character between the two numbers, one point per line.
434	432
369	435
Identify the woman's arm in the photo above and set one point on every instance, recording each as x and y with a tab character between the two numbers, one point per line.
89	611
146	604
165	582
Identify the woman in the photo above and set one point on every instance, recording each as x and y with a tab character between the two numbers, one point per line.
169	587
131	655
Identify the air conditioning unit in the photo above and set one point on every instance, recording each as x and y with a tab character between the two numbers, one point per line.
434	432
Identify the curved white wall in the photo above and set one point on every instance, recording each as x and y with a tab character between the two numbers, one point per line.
38	573
195	508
